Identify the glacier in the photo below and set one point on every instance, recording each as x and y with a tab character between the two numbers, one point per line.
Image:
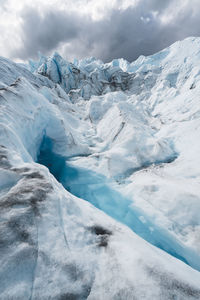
99	177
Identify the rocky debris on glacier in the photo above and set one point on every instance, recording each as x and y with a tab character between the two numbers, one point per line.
130	151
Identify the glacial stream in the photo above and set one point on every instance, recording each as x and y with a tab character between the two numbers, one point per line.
97	189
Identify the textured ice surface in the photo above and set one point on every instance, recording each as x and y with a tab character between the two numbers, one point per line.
125	138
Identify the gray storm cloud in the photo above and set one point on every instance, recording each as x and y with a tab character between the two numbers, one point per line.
121	33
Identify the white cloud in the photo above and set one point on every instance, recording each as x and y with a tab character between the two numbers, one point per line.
99	26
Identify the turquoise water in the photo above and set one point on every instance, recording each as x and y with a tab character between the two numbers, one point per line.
97	189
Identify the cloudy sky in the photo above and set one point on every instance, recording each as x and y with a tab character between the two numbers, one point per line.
101	28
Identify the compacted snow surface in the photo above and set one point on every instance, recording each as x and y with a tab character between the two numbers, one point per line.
100	177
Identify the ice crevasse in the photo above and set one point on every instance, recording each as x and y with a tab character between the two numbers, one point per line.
99	177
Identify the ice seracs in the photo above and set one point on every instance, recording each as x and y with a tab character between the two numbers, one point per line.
125	138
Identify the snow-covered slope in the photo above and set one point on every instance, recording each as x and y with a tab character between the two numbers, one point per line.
125	138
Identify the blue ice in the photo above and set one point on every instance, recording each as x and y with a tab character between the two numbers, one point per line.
97	190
